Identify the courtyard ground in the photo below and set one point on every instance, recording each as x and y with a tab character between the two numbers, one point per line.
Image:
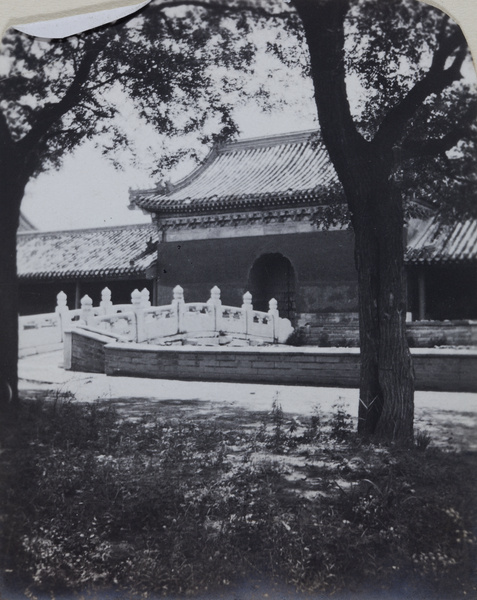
450	418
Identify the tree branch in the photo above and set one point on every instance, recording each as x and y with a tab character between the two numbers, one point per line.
112	79
434	82
323	23
53	112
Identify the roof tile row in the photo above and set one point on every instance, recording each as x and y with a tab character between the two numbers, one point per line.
438	243
285	169
95	253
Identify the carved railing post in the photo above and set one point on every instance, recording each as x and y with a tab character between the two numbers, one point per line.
178	303
214	303
145	302
63	313
136	300
273	312
86	310
247	307
106	304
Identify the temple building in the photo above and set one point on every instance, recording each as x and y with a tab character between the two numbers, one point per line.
260	215
264	215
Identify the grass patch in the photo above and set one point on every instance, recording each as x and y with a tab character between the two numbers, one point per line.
92	500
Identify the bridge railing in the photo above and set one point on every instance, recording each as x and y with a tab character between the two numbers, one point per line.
141	322
38	333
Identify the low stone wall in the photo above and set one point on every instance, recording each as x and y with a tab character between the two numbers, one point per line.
442	333
267	365
342	329
84	351
436	369
445	369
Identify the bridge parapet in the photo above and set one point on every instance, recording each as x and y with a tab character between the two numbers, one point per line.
141	322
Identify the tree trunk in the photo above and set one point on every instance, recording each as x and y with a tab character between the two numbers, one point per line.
386	408
12	186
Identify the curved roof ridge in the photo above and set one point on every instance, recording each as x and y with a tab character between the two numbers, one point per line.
174	187
282	166
240	145
275	139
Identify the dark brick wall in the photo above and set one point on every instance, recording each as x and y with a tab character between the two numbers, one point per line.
442	333
322	262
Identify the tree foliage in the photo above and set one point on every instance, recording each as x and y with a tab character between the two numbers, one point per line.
183	65
392	46
71	89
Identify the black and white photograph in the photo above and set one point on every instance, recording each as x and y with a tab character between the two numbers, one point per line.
238	303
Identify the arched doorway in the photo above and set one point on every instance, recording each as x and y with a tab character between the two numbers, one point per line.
273	276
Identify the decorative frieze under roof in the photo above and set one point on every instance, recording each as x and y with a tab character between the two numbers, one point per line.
262	173
107	252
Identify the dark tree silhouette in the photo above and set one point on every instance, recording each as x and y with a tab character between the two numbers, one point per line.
407	56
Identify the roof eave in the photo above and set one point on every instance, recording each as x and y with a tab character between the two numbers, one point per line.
267	201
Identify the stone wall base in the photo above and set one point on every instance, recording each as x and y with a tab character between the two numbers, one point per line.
342	329
435	369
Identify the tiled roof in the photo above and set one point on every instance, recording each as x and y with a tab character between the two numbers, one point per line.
443	243
109	251
279	170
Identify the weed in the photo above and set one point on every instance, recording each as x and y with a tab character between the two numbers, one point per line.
313	430
422	439
343	343
437	341
298	337
324	340
180	506
341	423
277	440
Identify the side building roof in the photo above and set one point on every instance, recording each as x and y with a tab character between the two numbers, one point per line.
280	170
129	251
440	244
125	251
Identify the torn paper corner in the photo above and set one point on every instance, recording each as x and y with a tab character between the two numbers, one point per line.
66	26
